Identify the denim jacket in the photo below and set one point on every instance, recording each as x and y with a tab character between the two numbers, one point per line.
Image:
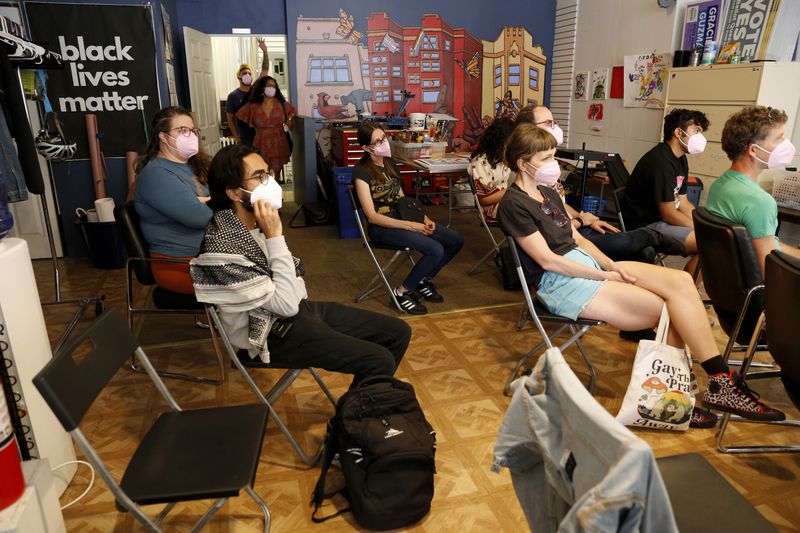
573	466
10	168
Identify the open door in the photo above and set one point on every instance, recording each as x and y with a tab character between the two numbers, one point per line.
201	88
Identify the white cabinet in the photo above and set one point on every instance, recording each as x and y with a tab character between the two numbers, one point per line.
721	90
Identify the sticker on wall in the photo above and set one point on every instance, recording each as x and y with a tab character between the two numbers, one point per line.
646	80
600	84
595	112
580	87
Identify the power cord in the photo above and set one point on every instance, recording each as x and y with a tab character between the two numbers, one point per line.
91	481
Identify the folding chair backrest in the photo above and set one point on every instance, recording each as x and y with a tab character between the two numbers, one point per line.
730	269
526	290
619	194
135	243
617	172
70	387
783	317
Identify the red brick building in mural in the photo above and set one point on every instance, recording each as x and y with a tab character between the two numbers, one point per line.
430	61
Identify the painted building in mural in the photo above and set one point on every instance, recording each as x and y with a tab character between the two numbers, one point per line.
512	63
333	70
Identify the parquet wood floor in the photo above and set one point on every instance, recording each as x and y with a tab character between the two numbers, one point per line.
458	362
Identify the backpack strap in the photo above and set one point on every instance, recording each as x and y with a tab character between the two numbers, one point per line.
319	490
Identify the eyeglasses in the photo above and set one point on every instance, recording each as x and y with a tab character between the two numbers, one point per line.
183	130
378	142
559	216
549	123
263	176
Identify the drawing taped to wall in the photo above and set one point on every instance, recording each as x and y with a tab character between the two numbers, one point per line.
646	80
353	64
580	88
600	83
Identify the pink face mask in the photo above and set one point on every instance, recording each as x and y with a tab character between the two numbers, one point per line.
547	174
270	91
187	145
780	156
383	149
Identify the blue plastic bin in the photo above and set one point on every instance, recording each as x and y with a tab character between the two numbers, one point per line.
348	228
594	205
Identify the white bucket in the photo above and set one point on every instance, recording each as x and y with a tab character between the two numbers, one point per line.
417	121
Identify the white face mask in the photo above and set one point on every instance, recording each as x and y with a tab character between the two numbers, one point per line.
695	144
780	156
270	192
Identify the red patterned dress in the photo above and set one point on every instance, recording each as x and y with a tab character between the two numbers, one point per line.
270	138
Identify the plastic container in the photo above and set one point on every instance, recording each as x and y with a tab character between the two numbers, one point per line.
104	244
348	228
787	192
694	189
13	484
423	150
594	205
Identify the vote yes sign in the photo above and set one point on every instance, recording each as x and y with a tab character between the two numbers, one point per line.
110	70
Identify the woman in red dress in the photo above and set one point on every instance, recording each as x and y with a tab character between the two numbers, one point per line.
267	110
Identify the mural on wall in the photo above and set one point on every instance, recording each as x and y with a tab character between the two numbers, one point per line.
349	66
646	80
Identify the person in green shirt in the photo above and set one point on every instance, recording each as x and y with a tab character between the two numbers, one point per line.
754	139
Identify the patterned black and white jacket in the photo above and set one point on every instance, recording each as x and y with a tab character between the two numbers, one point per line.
251	279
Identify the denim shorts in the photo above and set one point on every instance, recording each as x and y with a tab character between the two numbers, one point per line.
679	233
566	296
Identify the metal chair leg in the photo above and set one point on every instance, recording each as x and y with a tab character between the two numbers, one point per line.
216	506
163	514
486	256
264	508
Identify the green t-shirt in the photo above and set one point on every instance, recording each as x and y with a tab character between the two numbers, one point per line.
736	197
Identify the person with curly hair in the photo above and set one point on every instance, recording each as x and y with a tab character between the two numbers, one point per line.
171	194
754	140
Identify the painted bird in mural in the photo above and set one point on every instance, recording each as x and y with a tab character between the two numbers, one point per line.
330	111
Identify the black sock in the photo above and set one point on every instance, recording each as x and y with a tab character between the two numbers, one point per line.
715	365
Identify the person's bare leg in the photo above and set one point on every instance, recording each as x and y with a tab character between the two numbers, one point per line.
694	260
686	310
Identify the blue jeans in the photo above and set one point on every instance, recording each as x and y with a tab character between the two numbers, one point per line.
437	249
10	168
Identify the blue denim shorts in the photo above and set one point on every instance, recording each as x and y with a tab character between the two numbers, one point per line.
566	296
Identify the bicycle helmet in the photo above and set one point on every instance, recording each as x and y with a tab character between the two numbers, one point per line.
51	143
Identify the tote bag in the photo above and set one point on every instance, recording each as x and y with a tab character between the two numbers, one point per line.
662	388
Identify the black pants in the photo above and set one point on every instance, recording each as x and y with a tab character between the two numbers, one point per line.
635	245
338	338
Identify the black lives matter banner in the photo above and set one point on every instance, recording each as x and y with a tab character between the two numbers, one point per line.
110	70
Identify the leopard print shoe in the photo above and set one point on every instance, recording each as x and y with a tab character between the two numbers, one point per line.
728	392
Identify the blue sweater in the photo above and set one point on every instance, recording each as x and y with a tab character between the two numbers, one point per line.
173	220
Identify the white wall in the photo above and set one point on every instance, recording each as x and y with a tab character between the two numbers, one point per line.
608	30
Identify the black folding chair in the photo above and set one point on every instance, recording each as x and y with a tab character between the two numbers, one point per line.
782	314
288	377
186	455
165	301
495	249
539	315
384	272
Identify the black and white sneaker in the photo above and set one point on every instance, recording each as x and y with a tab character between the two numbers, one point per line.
409	302
427	290
728	392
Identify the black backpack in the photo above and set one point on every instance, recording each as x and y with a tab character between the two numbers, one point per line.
386	449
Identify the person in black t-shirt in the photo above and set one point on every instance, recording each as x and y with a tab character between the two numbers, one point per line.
377	185
243	133
655	196
574	279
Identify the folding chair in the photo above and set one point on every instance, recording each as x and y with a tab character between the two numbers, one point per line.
733	279
782	315
165	301
275	392
197	454
539	314
495	249
383	271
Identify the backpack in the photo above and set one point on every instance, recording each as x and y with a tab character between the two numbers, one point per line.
386	449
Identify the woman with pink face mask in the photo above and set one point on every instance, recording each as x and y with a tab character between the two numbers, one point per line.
171	196
574	279
377	185
268	112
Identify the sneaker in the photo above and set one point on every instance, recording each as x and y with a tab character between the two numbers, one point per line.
703	419
638	335
664	243
427	289
729	393
410	303
247	361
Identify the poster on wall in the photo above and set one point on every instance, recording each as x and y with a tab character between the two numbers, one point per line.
580	89
389	61
600	82
109	55
646	80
